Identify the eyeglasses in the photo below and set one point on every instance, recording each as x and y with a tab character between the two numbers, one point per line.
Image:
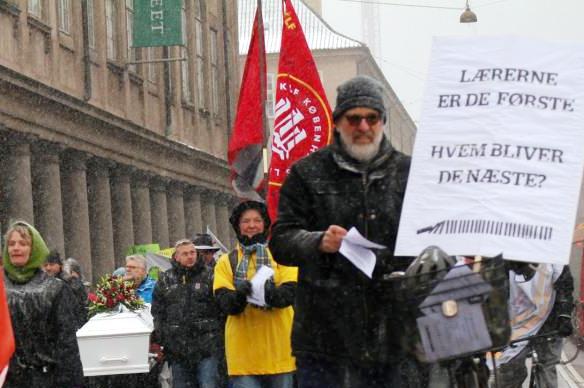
371	118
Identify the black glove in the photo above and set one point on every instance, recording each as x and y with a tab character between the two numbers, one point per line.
564	325
279	297
243	287
269	289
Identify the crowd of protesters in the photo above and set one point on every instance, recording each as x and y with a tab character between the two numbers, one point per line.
204	327
314	320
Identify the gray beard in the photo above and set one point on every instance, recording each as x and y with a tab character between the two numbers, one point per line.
362	152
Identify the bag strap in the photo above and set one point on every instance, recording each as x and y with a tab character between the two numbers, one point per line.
233	261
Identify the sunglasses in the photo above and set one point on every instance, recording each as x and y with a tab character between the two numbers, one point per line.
355	120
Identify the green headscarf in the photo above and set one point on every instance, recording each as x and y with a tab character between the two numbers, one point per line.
38	254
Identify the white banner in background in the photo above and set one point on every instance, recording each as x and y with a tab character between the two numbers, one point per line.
499	151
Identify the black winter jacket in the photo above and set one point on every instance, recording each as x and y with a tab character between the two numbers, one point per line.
564	302
80	293
339	311
44	324
186	317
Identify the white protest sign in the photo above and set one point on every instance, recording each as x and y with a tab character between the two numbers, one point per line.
499	151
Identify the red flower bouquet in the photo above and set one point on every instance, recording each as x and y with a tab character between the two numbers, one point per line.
112	291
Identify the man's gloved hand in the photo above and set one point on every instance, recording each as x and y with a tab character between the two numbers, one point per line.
564	325
243	287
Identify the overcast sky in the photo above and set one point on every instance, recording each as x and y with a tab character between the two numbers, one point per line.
406	32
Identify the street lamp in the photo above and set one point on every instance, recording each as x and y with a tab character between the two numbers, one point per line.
468	16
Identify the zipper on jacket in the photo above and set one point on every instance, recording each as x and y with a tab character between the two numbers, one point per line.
365	204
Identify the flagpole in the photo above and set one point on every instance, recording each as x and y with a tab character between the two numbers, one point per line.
262	63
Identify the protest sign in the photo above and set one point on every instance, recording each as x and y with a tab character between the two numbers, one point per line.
499	152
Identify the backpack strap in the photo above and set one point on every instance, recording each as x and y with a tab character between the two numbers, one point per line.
233	261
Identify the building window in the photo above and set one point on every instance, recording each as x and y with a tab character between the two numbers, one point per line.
215	92
35	8
200	54
184	65
129	33
111	29
91	23
64	15
270	95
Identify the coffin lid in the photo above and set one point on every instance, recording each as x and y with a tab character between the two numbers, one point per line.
117	324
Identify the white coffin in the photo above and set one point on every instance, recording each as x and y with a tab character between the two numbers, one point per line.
118	343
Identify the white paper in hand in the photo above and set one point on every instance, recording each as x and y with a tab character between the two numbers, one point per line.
357	249
258	296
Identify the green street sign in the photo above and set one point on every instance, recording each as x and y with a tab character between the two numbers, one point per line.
157	23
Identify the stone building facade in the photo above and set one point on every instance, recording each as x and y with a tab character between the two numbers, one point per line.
101	154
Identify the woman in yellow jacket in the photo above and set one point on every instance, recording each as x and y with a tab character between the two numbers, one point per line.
257	337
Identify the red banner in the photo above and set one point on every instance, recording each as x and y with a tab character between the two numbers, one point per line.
245	152
303	122
6	334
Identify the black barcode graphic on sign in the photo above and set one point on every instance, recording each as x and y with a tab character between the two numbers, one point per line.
499	228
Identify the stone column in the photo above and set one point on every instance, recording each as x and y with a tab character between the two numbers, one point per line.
159	212
141	216
176	212
48	209
193	220
100	217
76	209
223	225
208	210
18	181
122	218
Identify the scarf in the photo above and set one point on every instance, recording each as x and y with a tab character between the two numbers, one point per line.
261	259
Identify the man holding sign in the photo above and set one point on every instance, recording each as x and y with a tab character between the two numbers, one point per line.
341	315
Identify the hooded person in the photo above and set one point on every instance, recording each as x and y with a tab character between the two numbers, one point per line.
42	312
257	331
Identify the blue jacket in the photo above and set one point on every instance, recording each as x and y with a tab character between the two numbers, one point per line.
145	289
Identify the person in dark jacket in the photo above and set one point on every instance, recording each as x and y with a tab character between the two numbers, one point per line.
342	323
186	319
42	313
54	266
74	276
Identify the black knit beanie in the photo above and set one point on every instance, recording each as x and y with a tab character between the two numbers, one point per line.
361	91
54	258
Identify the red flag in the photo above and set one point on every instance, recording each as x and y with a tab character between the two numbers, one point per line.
303	122
245	152
6	334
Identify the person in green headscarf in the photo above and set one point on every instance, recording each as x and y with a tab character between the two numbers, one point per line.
42	313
